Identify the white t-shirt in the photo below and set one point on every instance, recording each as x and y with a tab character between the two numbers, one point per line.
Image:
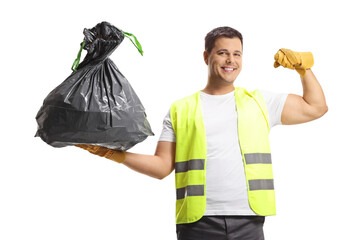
226	190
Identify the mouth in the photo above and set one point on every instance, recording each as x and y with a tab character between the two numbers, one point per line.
229	69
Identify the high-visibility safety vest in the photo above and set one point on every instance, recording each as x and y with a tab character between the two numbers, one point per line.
190	160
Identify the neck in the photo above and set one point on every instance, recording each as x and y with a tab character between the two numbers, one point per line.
214	89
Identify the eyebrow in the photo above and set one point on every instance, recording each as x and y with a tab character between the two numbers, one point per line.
221	50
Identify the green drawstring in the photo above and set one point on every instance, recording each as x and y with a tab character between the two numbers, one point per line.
136	44
128	35
77	60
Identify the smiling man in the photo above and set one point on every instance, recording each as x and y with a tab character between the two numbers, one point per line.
217	142
224	62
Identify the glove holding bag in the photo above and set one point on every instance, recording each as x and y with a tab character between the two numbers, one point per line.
300	61
117	156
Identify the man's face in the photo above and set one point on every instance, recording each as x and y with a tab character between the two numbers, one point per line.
225	60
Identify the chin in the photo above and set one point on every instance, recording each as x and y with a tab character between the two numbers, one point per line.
229	81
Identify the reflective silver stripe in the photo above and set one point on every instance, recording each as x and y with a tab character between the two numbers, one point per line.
261	184
193	164
252	158
190	190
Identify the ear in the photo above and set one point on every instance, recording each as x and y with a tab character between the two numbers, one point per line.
206	57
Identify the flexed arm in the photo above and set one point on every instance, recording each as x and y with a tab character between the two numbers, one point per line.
310	106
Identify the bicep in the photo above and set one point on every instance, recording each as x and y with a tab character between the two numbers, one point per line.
296	110
166	152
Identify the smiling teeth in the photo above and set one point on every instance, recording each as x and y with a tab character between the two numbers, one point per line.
229	69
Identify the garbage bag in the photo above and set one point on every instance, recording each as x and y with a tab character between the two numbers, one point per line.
95	104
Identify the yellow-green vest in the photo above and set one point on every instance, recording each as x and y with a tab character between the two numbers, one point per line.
190	160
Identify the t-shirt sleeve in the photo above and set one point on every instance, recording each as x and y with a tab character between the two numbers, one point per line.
167	134
275	103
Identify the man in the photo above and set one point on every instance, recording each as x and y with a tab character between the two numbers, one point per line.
217	142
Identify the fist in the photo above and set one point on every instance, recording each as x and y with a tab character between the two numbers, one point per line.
300	61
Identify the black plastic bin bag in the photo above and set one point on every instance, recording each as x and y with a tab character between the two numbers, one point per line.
95	104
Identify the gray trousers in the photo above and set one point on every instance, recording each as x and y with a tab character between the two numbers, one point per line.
223	228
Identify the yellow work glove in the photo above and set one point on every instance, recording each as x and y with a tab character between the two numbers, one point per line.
117	156
300	61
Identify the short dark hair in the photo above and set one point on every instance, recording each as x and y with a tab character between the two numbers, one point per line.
220	32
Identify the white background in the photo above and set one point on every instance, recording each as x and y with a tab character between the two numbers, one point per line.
67	193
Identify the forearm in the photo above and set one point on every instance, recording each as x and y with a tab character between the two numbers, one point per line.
159	165
313	93
150	165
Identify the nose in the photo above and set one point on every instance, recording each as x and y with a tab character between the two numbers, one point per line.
230	59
